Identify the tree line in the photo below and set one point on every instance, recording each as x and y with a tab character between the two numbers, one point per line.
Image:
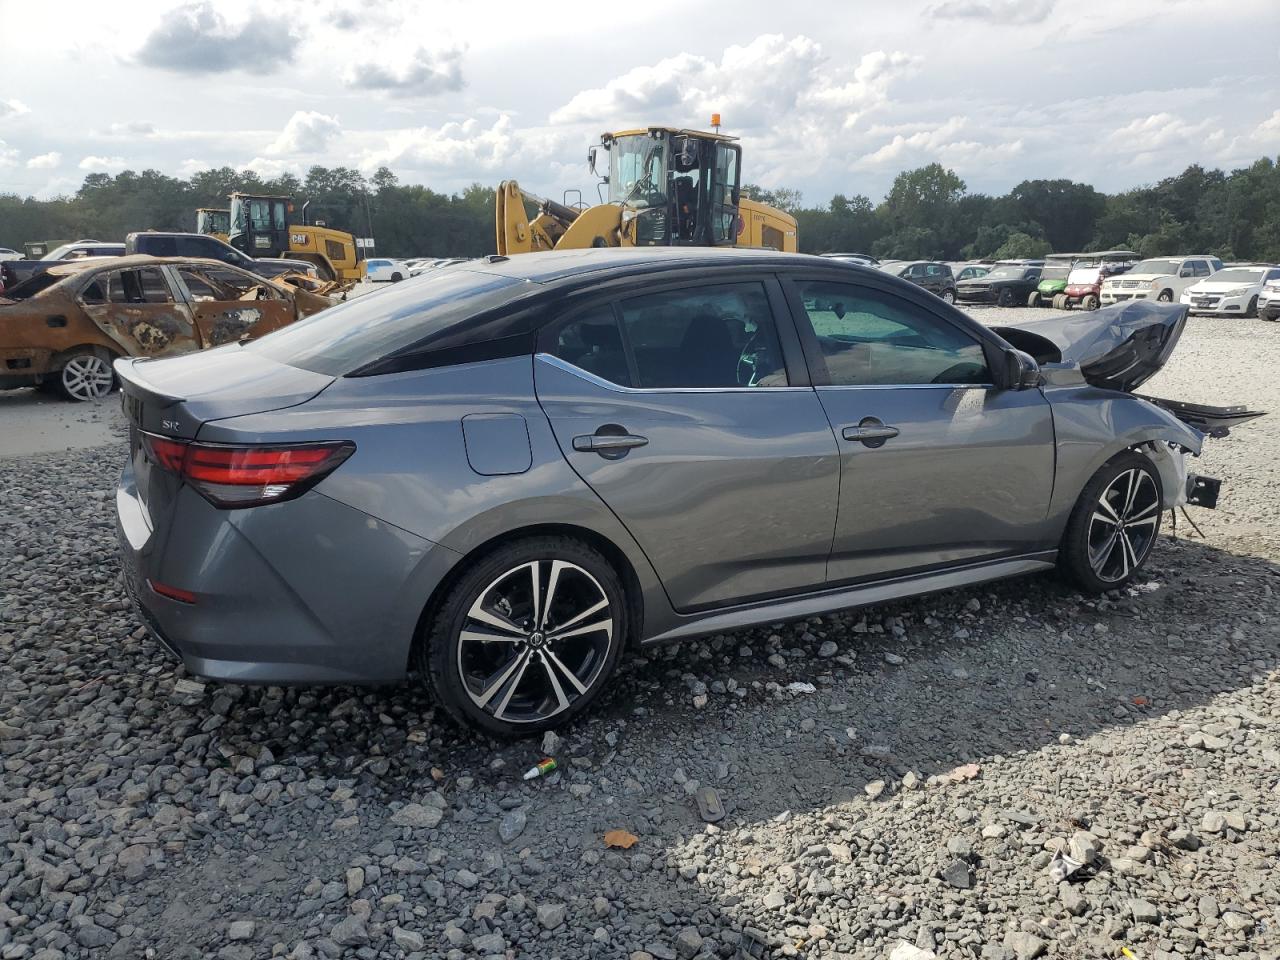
928	213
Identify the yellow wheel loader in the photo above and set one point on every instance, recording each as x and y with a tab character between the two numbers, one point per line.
666	187
260	227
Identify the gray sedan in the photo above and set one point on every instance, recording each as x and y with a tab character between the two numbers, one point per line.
500	476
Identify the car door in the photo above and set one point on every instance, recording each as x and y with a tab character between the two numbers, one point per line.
938	466
1191	271
229	305
139	310
688	411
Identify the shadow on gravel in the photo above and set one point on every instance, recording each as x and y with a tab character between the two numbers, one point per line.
986	673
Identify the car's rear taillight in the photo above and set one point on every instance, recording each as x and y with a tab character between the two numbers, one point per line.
247	475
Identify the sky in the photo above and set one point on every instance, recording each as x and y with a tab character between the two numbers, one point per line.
827	97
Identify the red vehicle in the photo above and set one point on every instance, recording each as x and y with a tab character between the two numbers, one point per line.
1084	283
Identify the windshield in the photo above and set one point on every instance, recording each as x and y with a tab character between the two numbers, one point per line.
1156	266
1239	275
637	171
1006	273
351	335
1055	272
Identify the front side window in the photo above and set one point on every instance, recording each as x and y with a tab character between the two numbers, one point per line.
869	338
714	336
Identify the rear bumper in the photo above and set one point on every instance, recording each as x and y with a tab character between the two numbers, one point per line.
310	591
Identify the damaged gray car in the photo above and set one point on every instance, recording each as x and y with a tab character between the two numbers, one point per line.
499	477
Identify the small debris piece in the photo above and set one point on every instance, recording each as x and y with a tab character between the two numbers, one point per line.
964	772
621	839
710	807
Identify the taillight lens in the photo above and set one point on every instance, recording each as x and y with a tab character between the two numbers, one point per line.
247	475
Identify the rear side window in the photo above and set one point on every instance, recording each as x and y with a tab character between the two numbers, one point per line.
441	311
720	336
593	342
138	286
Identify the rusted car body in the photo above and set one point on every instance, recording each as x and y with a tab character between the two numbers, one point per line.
63	328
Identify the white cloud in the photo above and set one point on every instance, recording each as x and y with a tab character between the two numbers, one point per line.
8	155
1002	12
45	161
13	108
423	73
770	82
950	143
269	168
131	128
199	39
454	146
1268	131
102	164
306	132
1159	130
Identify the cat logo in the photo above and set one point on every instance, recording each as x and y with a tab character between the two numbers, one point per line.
300	239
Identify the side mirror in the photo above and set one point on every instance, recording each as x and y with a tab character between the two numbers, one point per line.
591	160
1021	370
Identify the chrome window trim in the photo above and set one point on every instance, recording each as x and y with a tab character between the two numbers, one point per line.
591	378
906	386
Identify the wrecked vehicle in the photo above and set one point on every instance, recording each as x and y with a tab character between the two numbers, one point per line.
503	474
63	327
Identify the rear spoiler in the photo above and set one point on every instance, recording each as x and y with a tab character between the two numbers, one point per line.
149	407
1209	420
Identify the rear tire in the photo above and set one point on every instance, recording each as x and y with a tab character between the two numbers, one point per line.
948	296
1090	302
397	277
492	655
1034	299
86	375
1113	525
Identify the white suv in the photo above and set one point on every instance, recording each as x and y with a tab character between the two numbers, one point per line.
1160	278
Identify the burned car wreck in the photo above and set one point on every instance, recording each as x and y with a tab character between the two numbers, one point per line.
63	327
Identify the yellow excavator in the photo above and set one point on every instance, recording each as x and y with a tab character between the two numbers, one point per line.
213	222
259	226
666	187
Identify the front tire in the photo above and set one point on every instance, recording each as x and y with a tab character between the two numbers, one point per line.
1113	525
1252	311
397	277
1166	296
1090	302
948	296
1034	299
527	637
87	375
1006	298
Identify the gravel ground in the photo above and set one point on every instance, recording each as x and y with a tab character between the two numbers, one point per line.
897	779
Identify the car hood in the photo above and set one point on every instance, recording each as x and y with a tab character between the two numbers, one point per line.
1221	286
1117	348
1137	276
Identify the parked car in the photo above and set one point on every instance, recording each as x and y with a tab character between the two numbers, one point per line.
85	248
504	474
972	271
1006	285
929	274
1231	292
63	327
1158	278
382	269
8	253
1053	281
1269	301
158	244
864	258
1084	284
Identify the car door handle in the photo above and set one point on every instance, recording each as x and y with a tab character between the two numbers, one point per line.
608	443
871	433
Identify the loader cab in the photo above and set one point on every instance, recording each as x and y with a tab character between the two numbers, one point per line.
681	187
213	222
259	226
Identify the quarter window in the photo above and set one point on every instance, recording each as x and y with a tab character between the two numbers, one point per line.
872	338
